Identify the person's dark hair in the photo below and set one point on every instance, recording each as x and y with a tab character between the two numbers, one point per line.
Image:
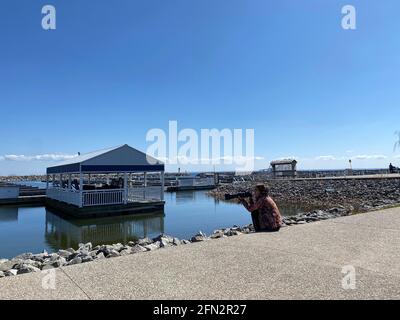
263	189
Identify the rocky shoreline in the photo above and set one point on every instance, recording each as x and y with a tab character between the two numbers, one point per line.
356	195
28	262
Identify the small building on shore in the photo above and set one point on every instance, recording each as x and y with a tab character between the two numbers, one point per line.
100	183
285	168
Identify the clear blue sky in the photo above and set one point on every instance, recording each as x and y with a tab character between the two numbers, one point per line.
115	69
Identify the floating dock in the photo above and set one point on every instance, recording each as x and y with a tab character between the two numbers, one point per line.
189	188
104	211
25	200
188	183
14	194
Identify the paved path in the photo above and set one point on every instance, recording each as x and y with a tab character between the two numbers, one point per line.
299	262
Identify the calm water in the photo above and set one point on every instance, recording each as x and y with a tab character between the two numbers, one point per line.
32	229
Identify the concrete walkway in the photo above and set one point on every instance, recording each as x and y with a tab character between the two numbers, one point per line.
299	262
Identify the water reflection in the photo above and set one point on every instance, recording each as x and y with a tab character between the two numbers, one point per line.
189	196
62	233
184	196
8	214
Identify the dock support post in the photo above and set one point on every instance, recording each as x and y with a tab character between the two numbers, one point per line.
47	181
80	190
125	188
145	185
162	185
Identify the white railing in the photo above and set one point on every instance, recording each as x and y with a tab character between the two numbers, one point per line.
64	195
144	193
103	197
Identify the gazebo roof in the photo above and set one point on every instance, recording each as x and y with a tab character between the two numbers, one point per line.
118	159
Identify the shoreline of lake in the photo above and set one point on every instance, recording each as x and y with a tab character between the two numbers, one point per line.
29	262
37	228
336	198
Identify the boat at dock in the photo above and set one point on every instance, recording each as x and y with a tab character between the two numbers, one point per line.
192	182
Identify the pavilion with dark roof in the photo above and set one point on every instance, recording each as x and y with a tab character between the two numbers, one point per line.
101	183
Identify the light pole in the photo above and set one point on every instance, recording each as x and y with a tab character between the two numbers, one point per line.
351	168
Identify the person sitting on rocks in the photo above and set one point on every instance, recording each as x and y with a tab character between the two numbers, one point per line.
265	213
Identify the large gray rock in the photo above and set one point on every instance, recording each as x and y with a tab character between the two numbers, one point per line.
83	252
229	232
76	260
144	241
65	253
118	247
151	247
100	256
164	243
28	262
87	258
2	275
199	237
41	257
5	266
54	257
106	249
11	272
125	252
113	253
93	253
138	248
85	246
163	238
217	234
